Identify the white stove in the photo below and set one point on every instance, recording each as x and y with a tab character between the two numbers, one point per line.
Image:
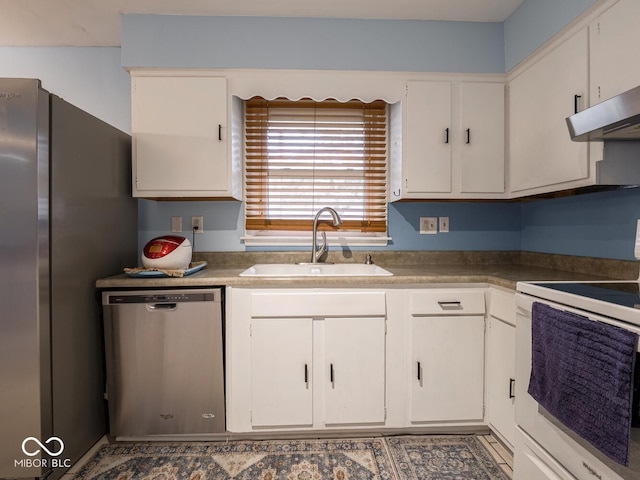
545	448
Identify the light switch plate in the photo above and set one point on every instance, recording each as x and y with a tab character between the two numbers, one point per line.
428	225
176	224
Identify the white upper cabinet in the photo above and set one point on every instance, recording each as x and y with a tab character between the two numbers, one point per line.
428	131
482	145
542	156
181	137
453	141
614	39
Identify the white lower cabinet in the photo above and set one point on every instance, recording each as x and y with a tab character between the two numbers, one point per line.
354	385
281	361
303	359
317	359
447	356
501	364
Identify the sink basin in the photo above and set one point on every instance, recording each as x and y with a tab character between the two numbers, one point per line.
314	270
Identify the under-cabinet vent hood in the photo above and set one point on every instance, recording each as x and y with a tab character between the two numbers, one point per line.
616	122
615	119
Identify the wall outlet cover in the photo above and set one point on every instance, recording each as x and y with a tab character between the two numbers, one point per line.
443	224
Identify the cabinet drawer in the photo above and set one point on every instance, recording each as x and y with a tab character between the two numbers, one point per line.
447	302
317	304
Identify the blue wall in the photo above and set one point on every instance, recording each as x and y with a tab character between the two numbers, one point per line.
91	78
600	225
311	43
535	22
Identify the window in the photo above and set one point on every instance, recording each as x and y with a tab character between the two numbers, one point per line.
304	155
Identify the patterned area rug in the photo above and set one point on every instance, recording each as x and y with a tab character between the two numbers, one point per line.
361	459
443	457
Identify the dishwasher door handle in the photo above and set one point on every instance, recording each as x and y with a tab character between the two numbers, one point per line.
162	307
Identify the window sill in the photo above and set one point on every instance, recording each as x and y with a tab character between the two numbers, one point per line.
297	241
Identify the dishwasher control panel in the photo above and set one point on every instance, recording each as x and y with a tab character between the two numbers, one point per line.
160	297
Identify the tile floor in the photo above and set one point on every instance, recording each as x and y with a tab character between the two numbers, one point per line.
497	450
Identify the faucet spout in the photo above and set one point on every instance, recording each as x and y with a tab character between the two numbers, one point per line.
337	221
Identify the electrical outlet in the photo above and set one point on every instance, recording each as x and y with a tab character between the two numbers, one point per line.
428	225
443	224
197	224
176	224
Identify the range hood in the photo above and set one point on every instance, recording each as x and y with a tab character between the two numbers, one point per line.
615	119
616	122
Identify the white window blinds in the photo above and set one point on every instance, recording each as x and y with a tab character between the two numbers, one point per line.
304	155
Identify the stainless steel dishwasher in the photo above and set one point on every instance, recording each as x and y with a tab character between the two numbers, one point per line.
164	353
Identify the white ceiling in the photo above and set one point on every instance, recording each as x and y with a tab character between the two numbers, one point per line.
97	22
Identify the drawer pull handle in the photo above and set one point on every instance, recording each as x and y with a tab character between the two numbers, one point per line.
306	374
512	382
456	305
468	135
219	132
331	376
419	372
446	135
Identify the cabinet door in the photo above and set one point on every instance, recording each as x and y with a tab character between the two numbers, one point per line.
447	368
614	42
355	370
179	136
542	156
482	138
427	156
501	346
281	356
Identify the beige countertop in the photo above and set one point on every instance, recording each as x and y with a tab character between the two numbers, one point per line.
505	270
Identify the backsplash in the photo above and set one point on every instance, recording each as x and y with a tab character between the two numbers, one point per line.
598	225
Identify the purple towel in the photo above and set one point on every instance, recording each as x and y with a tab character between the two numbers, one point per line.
582	373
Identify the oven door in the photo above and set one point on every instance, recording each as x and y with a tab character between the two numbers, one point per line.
575	454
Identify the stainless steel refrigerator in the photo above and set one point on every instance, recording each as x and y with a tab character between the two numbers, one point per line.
67	218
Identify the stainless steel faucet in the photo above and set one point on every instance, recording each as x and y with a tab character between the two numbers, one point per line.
337	221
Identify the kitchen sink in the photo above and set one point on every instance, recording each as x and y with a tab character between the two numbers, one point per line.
314	270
